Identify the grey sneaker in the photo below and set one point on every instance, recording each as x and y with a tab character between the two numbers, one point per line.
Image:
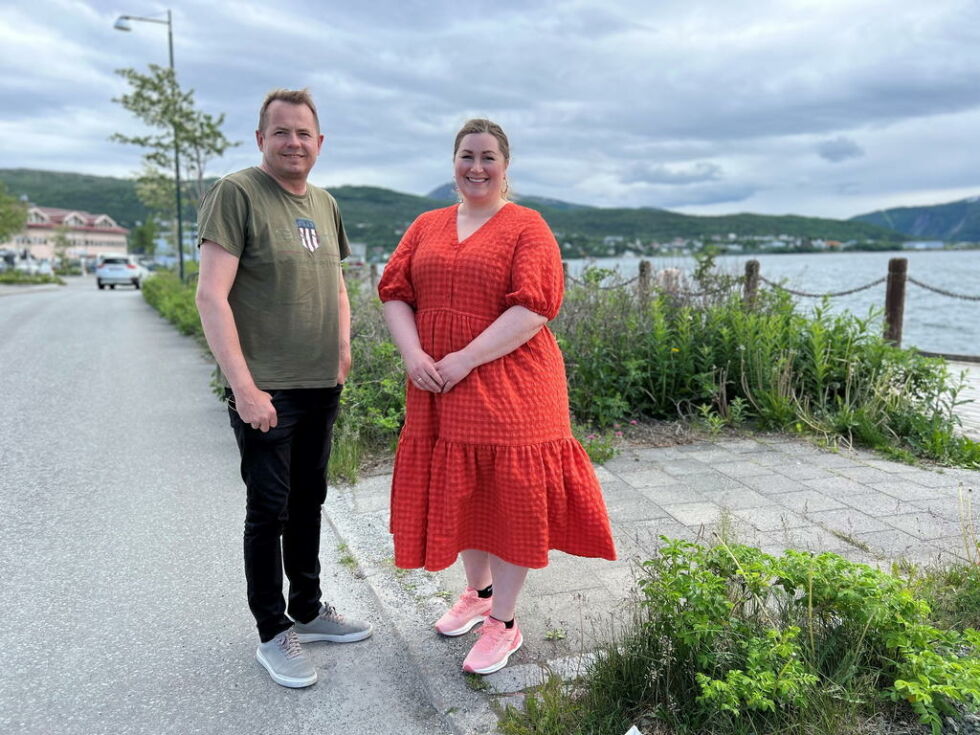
286	661
329	625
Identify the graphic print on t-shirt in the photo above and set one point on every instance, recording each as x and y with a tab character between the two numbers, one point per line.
307	234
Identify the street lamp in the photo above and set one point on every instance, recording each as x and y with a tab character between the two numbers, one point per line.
122	24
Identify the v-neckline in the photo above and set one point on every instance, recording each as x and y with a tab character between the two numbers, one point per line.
485	223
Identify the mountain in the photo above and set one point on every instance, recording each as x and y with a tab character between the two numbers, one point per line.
955	221
447	192
377	217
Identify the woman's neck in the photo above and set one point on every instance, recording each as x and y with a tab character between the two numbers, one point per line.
477	210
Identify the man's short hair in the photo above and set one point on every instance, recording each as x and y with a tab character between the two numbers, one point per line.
293	97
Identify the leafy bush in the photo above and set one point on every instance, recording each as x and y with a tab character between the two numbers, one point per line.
175	302
713	356
731	640
18	278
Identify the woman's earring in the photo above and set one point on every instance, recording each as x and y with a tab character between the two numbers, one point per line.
503	192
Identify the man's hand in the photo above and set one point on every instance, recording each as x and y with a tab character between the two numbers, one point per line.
255	408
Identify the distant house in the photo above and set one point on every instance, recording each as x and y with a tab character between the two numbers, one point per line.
88	234
925	245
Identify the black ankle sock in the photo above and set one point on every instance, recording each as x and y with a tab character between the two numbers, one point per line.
507	623
485	592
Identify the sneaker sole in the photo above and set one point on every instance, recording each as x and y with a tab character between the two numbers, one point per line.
466	627
500	664
344	638
291	682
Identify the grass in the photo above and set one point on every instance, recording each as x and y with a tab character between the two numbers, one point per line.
17	278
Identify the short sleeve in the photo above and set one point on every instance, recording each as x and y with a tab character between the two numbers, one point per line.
537	280
343	245
396	279
223	217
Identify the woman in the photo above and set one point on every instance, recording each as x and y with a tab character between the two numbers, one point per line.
486	466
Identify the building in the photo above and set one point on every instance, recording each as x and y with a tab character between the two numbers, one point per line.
88	234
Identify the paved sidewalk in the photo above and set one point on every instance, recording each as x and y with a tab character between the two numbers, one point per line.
774	492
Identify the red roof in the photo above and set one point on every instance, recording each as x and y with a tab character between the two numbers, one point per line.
56	217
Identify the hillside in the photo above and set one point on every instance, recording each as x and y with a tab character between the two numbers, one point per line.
377	216
955	221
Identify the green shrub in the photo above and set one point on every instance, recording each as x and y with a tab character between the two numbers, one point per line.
731	640
175	302
17	278
715	358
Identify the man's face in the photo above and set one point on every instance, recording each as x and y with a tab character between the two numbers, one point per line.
290	142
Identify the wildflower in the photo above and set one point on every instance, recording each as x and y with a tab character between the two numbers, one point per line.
619	435
591	437
633	422
615	426
675	349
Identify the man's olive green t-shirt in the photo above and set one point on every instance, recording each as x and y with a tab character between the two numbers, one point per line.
284	298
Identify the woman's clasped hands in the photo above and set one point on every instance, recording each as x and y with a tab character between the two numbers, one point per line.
438	377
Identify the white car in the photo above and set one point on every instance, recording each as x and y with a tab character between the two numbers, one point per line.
118	270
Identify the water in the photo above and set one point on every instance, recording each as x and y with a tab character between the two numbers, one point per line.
933	322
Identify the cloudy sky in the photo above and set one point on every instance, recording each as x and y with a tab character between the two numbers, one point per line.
816	107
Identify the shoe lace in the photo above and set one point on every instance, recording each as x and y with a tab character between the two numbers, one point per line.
466	600
290	645
329	612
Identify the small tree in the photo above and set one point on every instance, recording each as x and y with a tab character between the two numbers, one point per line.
143	238
60	244
13	214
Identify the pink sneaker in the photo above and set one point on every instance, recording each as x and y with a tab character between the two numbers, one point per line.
491	651
469	610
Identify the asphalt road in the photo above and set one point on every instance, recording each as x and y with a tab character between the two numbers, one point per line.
122	607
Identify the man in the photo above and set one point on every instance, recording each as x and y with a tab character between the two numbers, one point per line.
276	315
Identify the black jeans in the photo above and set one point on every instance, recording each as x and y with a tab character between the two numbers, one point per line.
284	471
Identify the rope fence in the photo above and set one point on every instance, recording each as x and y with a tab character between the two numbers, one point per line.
670	281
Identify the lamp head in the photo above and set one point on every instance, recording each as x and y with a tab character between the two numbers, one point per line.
122	23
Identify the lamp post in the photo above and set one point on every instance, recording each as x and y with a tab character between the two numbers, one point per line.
122	24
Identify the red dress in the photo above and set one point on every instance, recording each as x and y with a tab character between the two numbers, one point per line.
492	464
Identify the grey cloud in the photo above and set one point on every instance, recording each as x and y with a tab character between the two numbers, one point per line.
658	174
839	149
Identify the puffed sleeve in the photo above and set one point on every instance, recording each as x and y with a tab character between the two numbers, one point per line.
396	280
536	277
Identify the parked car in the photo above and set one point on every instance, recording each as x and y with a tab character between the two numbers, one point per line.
118	270
44	268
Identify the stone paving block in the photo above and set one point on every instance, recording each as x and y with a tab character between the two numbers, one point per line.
929	478
801	449
627	461
681	467
740	446
633	506
672	495
738	498
796	470
710	455
742	469
772	518
806	501
952	509
864	474
770	484
816	539
660	454
768	458
829	459
847	520
695	514
710	482
886	466
564	573
923	525
604	475
837	487
906	490
957	548
892	544
649	477
639	541
879	504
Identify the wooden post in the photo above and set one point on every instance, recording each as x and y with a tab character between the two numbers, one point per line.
374	276
643	284
564	270
751	287
895	299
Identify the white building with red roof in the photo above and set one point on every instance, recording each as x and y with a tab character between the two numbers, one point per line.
88	234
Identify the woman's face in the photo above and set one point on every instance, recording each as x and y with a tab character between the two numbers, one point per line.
479	168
